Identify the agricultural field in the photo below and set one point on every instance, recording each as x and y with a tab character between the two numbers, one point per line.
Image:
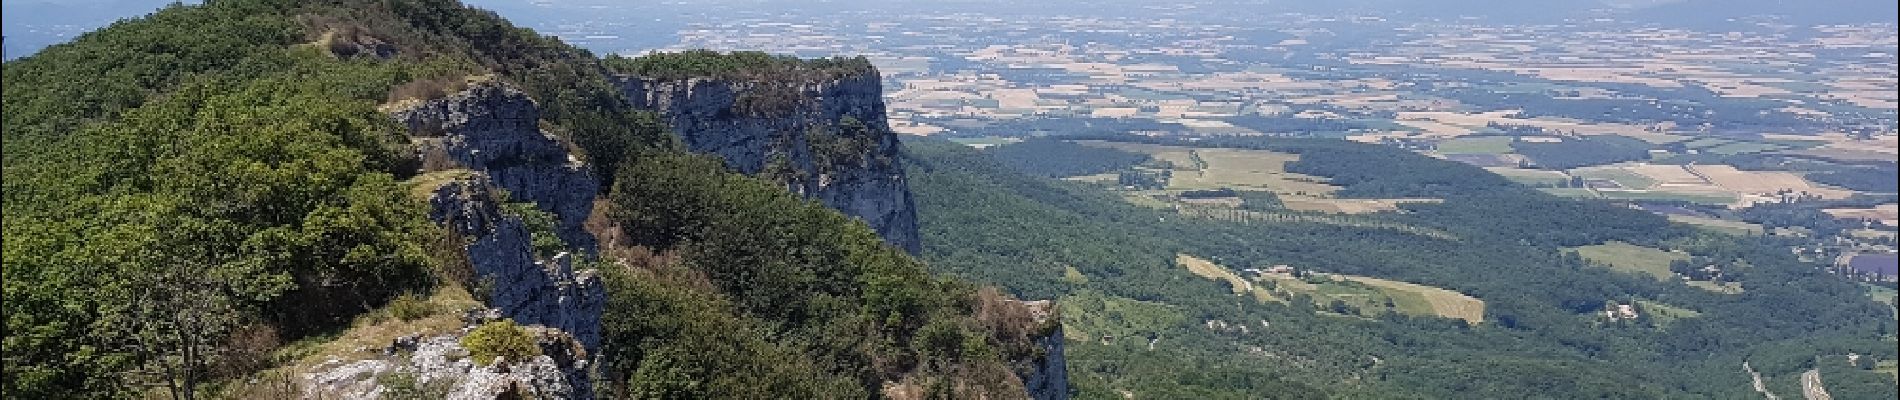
1530	177
1348	206
1737	228
1622	177
1245	169
1239	169
1476	145
1662	314
1570	192
1888	214
1368	296
1693	196
986	141
1718	287
1761	183
1631	258
1210	270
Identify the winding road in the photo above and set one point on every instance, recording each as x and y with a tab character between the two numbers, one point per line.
1811	386
1759	385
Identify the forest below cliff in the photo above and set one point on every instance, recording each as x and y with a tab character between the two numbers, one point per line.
1153	324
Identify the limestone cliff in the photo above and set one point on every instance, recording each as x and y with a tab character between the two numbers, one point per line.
484	148
823	137
495	129
1047	376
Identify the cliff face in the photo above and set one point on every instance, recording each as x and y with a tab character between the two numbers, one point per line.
1046	377
826	139
486	148
495	129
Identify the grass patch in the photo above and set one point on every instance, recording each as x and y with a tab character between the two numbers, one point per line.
1881	294
1570	192
1089	315
423	186
1663	314
1722	287
374	330
1632	258
1364	295
1476	145
1742	148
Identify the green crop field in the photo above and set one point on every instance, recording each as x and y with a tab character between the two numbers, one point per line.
1697	197
1737	228
1629	180
1632	258
1529	177
1476	145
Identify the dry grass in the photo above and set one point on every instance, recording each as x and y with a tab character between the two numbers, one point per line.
421	187
1207	269
1444	302
1885	213
1762	182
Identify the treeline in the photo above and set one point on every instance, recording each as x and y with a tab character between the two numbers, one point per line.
849	312
1059	158
738	64
1879	179
1582	151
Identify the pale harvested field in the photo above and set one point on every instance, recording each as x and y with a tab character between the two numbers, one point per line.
1885	213
1436	129
1458	124
1229	168
1445	302
1210	270
1667	174
1348	206
1762	182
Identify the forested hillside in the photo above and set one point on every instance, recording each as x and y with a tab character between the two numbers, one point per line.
1140	324
208	200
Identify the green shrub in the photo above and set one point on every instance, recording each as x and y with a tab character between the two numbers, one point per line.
410	307
500	339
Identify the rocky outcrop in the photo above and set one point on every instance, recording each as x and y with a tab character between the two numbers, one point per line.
484	148
1046	376
495	129
528	290
825	138
438	366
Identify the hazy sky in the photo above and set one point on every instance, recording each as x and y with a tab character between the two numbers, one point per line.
33	24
